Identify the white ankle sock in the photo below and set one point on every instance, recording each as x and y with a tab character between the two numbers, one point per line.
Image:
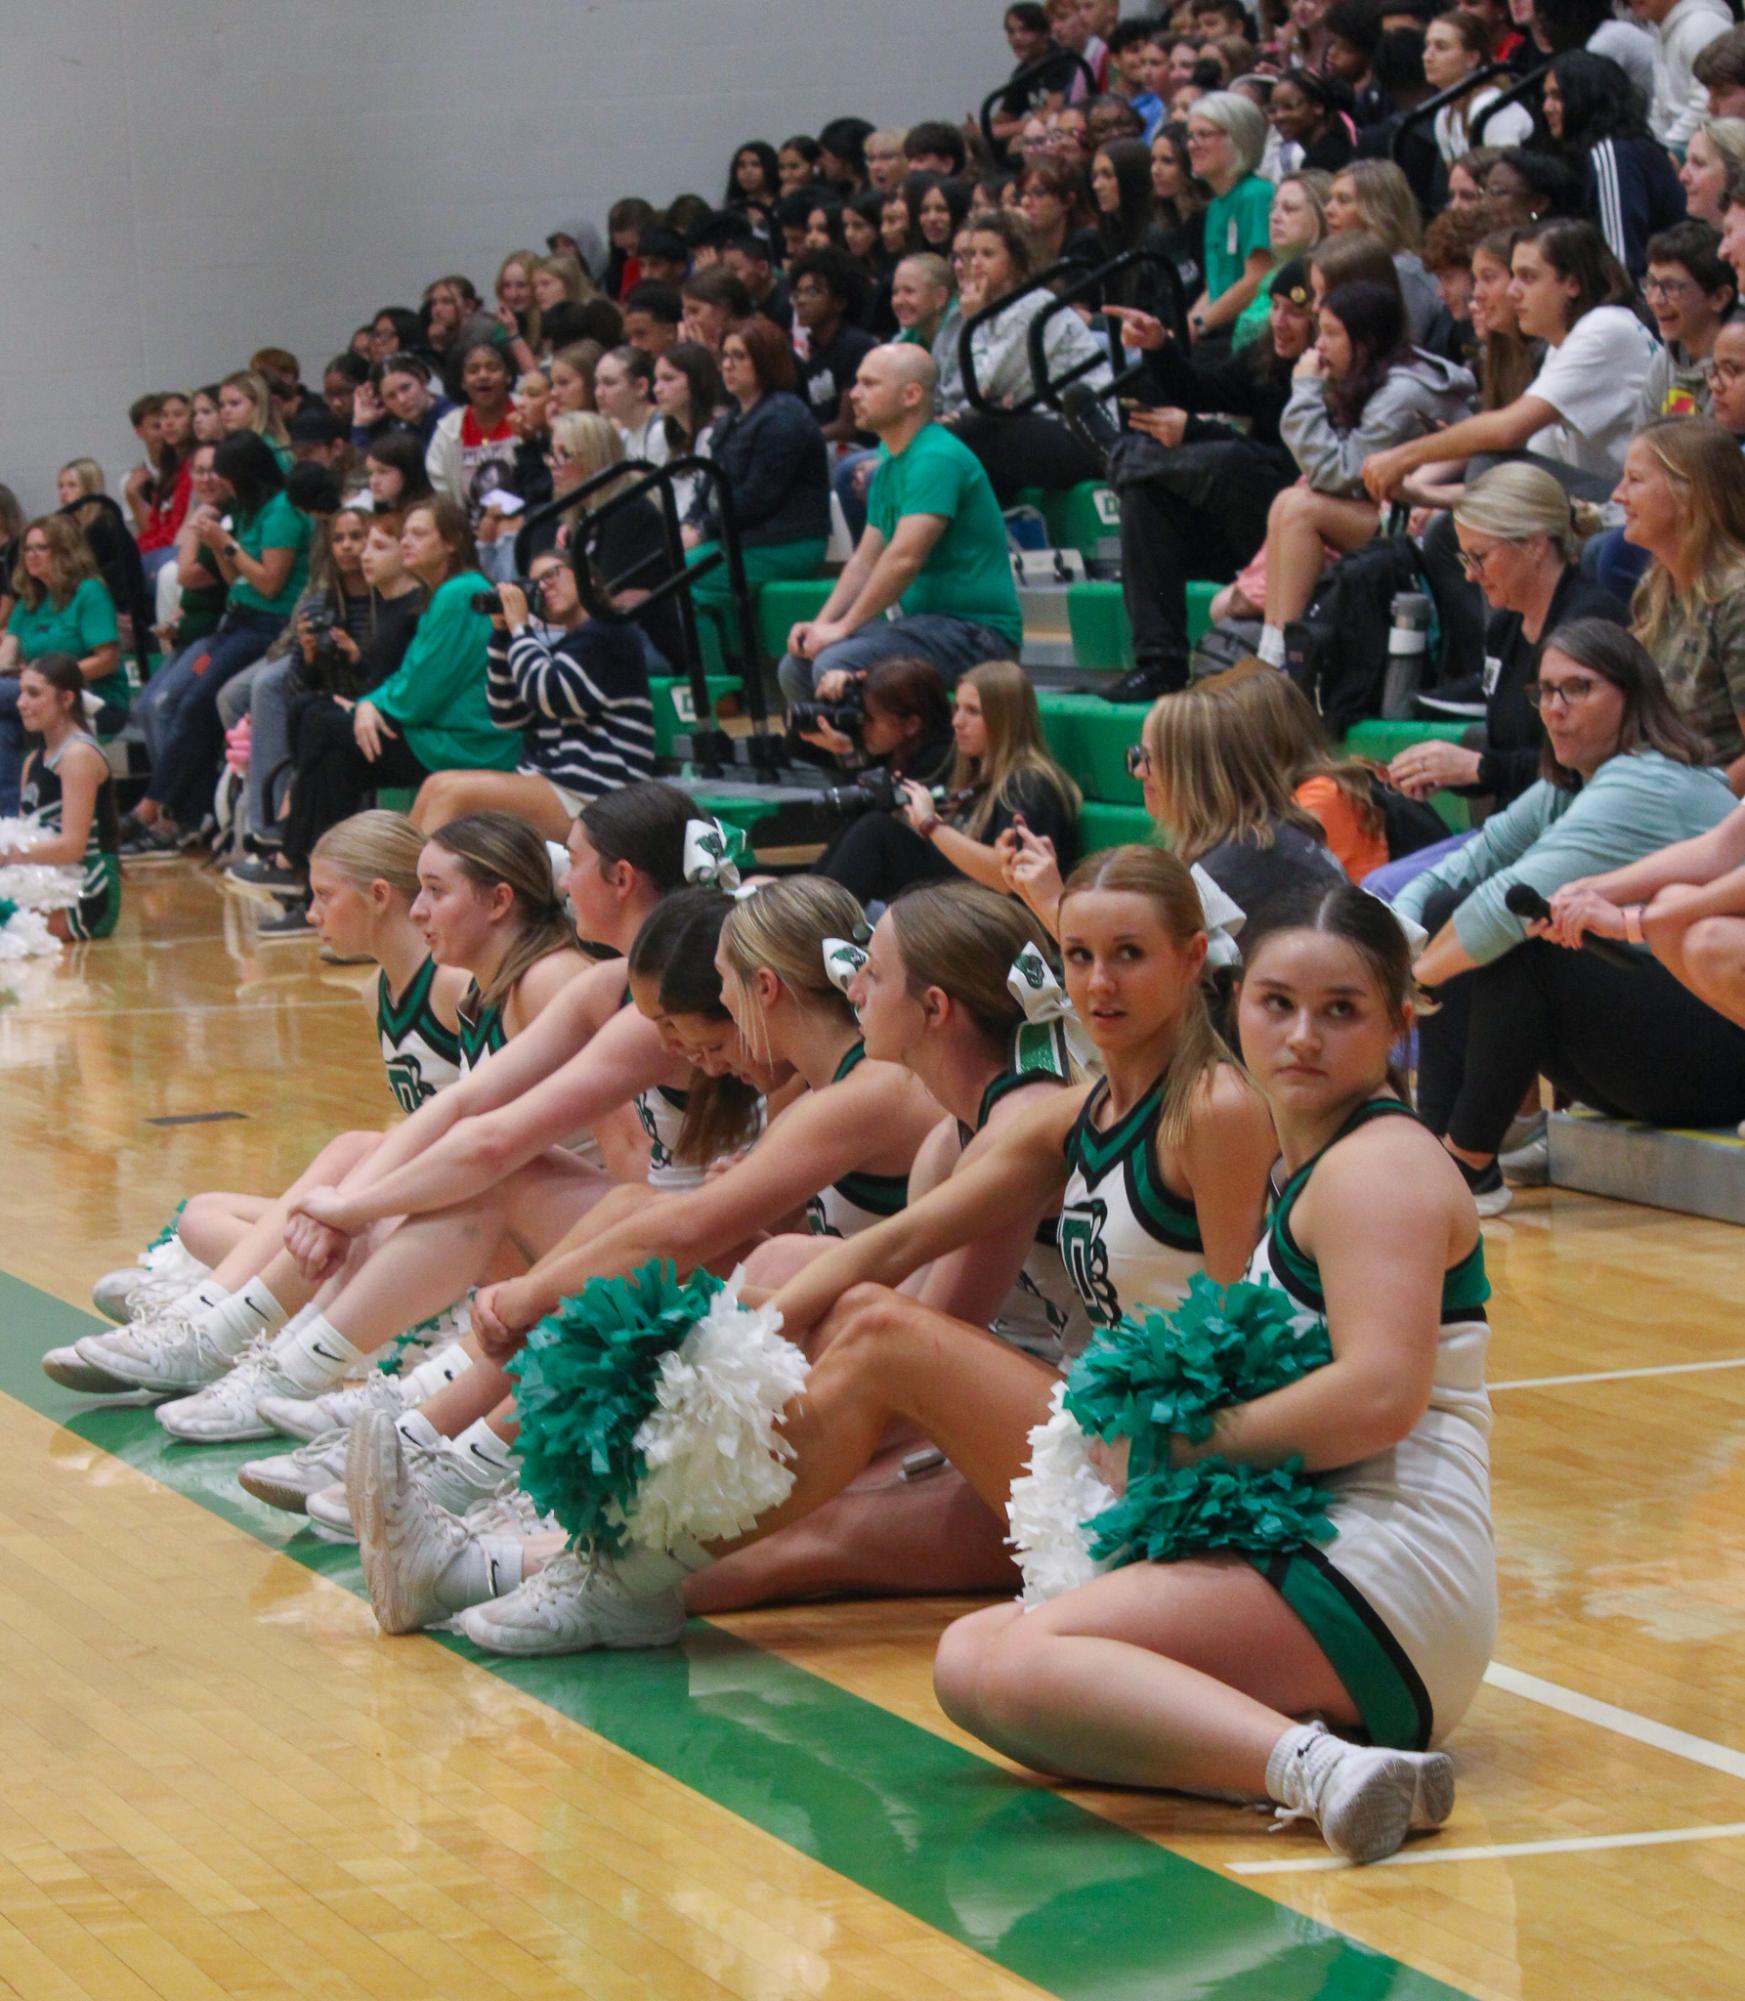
438	1370
317	1357
1297	1763
487	1567
234	1322
485	1453
208	1294
1272	645
417	1429
650	1573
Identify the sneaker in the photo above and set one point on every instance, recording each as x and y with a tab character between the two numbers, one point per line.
166	1352
68	1367
289	1478
406	1540
156	843
1365	1800
157	1278
309	1417
257	874
1528	1166
1491	1194
329	1513
292	923
1146	683
224	1412
570	1607
1463	699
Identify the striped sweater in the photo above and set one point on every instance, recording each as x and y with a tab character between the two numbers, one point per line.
582	704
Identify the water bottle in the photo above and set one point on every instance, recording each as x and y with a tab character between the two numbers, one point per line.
1408	654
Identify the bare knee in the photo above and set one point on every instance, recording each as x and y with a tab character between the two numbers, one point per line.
1289	506
441	798
958	1666
777	1259
1714	950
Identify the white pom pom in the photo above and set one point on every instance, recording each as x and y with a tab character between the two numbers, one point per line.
716	1458
26	935
1049	1505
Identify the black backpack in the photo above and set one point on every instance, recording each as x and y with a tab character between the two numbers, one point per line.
1338	653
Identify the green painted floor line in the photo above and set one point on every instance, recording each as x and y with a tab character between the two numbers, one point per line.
1039	1886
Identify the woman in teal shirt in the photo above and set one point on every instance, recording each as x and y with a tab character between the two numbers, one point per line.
1226	139
260	549
63	606
431	714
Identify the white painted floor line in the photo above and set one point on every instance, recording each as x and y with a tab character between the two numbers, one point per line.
244	1009
1419	1854
1619	1375
1622	1722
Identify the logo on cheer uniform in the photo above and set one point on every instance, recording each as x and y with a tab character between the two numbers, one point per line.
816	1220
406	1081
657	1153
1030	969
1086	1257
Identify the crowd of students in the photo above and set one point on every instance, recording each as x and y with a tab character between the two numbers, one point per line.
824	1079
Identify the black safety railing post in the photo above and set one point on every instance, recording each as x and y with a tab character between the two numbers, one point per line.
1040	67
1517	93
1422	114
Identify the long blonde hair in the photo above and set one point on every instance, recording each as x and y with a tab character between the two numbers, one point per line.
1386	202
1704	468
496	848
529	261
266	422
1136	870
595	443
374	846
1015	744
962	938
783	925
1216	782
1292	741
578	287
69	555
87	472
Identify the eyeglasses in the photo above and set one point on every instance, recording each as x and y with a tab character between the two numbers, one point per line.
1728	371
1577	689
1138	761
1667	288
1472	561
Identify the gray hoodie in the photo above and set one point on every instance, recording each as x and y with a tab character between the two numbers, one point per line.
1420	395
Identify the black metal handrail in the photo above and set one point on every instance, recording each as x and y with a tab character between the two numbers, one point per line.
1515	94
1043	281
1422	114
1049	387
711	747
1029	73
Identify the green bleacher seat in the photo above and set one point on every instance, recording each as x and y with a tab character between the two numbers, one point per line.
1104	826
395	798
1079	517
738	809
673	709
781	606
1091	737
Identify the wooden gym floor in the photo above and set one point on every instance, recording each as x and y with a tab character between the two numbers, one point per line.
220	1780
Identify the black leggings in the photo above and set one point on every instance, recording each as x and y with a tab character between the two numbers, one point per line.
333	777
1198	510
1632	1043
1026	451
878	854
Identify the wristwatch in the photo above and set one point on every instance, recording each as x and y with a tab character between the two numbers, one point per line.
233	549
928	827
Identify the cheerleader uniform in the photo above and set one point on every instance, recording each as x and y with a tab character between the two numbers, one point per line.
422	1055
1129	1243
1042	1314
1403	1601
98	909
482	1032
857	1201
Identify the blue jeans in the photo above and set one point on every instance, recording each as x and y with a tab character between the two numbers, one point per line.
1614	564
277	685
183	779
850	491
953	645
156	705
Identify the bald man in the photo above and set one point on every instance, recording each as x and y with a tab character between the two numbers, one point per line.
934	550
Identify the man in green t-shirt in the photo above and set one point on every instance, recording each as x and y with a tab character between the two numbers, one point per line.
934	549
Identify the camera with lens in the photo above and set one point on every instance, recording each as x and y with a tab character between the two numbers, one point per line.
326	670
874	791
491	603
319	621
846	717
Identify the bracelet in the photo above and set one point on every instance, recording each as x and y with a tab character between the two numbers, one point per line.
929	827
1633	924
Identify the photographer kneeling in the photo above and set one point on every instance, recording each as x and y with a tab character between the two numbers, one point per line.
995	770
581	700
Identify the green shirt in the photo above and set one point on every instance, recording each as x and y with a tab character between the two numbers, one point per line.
437	695
1236	227
85	622
277	525
968	572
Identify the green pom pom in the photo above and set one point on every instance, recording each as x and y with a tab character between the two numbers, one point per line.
586	1380
8	911
1171	1373
169	1229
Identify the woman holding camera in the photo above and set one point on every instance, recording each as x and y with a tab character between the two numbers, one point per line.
430	715
1000	778
581	703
